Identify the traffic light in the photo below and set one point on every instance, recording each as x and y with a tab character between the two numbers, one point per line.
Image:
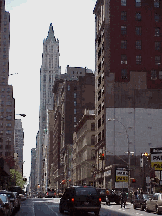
133	180
101	156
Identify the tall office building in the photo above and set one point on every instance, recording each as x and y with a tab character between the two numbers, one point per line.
33	185
7	102
49	69
18	145
128	81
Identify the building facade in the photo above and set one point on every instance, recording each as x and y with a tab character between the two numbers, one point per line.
7	102
84	160
18	145
33	185
72	95
50	67
128	80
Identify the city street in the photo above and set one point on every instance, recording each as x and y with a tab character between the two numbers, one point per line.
50	206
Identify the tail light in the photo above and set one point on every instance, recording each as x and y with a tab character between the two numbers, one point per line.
47	193
72	199
99	199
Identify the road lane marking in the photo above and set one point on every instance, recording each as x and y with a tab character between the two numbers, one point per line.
52	210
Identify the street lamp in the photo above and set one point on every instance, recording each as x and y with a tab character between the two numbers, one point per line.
128	152
23	115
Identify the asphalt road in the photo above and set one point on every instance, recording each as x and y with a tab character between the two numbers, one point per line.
50	206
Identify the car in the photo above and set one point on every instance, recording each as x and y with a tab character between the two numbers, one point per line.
22	197
50	194
7	204
140	201
113	197
12	198
103	193
154	204
3	210
80	198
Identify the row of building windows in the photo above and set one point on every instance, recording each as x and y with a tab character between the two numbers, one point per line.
138	44
138	3
138	16
6	154
6	146
154	74
7	125
138	30
139	59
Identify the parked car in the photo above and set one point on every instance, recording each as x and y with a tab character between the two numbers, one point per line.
80	198
113	197
154	204
140	201
7	204
12	199
3	210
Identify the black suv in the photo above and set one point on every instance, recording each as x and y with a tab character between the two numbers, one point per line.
80	198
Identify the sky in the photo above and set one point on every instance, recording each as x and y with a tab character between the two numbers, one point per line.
74	25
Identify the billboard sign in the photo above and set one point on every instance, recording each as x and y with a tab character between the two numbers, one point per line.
156	158
121	175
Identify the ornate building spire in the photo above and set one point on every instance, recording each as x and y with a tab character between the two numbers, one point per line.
51	33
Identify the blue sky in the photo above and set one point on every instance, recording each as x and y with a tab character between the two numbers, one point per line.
74	25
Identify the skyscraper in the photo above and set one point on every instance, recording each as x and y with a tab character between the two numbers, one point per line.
49	69
7	102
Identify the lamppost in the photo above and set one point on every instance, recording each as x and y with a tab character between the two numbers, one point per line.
128	152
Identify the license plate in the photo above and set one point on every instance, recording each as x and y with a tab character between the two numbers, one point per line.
86	203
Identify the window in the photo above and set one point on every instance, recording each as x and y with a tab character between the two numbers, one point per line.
92	126
123	2
124	15
156	3
1	146
99	137
7	154
138	16
124	73
157	31
160	74
103	119
123	44
68	87
123	30
123	59
75	119
157	45
138	30
99	109
99	123
93	140
74	95
138	44
74	111
157	60
4	56
8	132
157	17
153	75
44	78
138	3
74	103
138	59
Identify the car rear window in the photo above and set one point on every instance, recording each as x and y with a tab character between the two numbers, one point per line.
3	197
86	191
